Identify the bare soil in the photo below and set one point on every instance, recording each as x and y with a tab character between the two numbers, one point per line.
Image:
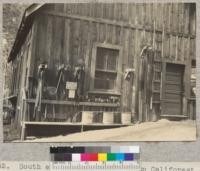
162	130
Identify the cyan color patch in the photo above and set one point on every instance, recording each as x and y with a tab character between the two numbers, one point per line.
119	156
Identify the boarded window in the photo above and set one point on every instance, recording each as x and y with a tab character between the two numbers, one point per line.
106	68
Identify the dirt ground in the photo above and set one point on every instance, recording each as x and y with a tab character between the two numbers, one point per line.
162	130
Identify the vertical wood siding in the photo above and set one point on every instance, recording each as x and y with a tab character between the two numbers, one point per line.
64	39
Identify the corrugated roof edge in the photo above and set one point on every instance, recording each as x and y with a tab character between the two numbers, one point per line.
23	30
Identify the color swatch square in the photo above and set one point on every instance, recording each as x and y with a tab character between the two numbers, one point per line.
76	157
111	157
85	157
102	157
119	156
93	157
67	156
59	157
129	157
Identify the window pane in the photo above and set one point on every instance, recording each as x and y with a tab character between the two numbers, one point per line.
112	60
105	80
101	59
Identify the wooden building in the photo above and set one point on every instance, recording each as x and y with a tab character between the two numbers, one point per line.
154	41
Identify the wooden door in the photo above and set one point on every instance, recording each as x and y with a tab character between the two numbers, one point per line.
173	90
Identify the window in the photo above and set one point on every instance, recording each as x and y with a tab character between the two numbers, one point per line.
106	68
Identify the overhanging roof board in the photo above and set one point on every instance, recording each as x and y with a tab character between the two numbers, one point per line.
25	25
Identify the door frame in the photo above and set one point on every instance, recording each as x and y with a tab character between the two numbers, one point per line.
163	79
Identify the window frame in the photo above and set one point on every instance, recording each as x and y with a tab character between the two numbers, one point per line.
117	88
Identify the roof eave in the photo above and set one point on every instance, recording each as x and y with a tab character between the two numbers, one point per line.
25	25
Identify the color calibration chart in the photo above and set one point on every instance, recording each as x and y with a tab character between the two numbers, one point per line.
112	158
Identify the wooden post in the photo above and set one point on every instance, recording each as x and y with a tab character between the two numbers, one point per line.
163	79
186	82
23	131
136	76
33	53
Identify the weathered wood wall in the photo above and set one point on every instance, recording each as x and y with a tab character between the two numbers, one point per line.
65	33
19	81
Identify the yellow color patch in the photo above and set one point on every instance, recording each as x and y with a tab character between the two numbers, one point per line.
102	157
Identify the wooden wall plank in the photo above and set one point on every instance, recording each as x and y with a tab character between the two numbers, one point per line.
182	18
66	8
104	10
131	90
140	14
111	11
176	18
119	16
42	34
143	14
87	57
48	42
172	16
115	11
109	31
81	45
117	37
125	12
185	50
66	41
114	35
59	7
137	11
131	48
152	15
192	49
132	61
148	15
155	16
186	19
167	17
181	58
160	15
102	33
85	38
74	41
125	65
187	85
98	32
132	13
59	32
178	55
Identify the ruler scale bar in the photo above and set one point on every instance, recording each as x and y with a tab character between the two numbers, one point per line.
112	158
96	166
